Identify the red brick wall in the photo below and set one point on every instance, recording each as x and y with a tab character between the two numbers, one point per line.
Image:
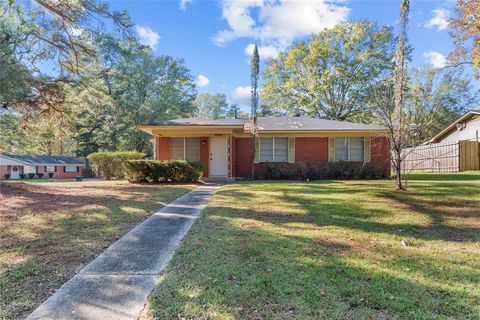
381	153
163	151
205	154
311	149
4	170
163	148
67	175
243	152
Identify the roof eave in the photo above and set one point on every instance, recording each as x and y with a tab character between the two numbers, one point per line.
451	126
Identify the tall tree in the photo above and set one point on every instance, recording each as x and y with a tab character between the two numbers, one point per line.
435	99
132	87
254	72
400	128
331	75
466	33
213	106
52	33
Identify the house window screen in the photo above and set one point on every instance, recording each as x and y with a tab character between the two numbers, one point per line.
50	169
184	149
349	149
281	150
273	149
70	169
341	149
356	149
192	149
177	151
266	149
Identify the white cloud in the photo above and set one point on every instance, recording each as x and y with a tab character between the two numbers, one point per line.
439	20
147	36
436	59
242	95
265	52
202	81
184	4
278	22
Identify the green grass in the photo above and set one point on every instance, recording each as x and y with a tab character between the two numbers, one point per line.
460	176
329	250
49	231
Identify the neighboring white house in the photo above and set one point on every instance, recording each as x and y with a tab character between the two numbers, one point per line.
467	127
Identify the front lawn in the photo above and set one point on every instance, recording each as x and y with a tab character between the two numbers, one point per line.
49	230
329	250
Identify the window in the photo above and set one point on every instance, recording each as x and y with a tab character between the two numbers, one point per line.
29	169
70	169
349	149
50	168
273	149
184	148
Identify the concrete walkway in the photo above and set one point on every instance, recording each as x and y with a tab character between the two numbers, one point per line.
117	283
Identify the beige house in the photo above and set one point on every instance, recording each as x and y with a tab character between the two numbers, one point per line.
465	128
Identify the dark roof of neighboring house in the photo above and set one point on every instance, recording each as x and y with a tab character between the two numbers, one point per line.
47	160
285	123
466	116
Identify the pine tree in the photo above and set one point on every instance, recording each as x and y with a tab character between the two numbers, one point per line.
254	92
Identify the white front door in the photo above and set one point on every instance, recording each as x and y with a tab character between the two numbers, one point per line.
15	172
218	156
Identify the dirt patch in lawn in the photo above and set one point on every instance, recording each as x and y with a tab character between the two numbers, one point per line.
49	231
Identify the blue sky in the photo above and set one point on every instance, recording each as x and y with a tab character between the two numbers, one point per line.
213	37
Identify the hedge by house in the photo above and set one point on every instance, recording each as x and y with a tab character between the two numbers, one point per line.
110	164
318	171
162	171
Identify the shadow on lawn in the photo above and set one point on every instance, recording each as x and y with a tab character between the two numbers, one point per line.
45	240
246	271
434	201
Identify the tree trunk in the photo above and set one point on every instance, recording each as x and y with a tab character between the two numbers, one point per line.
253	156
398	173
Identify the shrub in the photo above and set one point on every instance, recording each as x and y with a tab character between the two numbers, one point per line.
316	171
31	175
162	171
50	175
40	175
110	164
22	176
7	176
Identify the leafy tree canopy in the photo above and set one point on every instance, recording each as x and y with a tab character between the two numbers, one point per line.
332	74
213	106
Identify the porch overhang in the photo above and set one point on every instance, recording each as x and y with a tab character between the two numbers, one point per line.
190	130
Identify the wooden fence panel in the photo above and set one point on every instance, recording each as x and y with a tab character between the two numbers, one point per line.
438	157
469	155
442	157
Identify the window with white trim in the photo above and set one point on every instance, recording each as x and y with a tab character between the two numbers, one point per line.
50	168
185	148
70	169
349	149
29	169
273	150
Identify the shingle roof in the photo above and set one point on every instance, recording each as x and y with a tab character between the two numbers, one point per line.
309	124
285	123
200	122
47	160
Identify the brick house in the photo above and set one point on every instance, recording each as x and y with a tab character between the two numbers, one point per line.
62	167
225	146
